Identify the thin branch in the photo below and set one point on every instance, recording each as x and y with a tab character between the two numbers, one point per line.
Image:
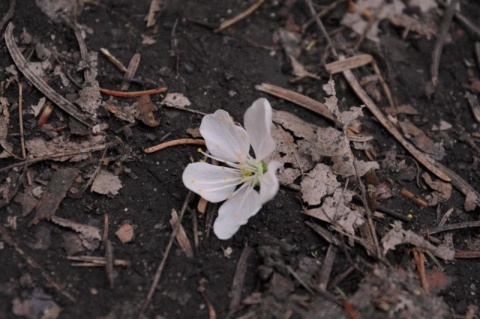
161	266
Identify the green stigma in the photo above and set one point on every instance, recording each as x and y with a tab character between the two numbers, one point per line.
246	173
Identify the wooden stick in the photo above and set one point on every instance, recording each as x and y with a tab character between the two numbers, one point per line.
113	60
161	266
413	197
420	262
132	94
228	23
20	119
419	156
57	155
299	99
131	70
182	141
450	227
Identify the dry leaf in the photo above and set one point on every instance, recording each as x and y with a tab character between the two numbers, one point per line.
125	114
89	236
443	126
146	108
176	100
106	183
147	39
470	202
334	211
125	233
442	190
318	183
397	235
424	5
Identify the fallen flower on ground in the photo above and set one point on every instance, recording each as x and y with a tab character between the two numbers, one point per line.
246	182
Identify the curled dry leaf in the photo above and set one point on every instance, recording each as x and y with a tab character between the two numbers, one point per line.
146	108
89	236
397	235
106	183
442	190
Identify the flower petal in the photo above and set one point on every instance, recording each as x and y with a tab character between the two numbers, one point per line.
269	183
236	211
224	139
258	123
214	183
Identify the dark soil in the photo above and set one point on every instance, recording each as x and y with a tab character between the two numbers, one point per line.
220	70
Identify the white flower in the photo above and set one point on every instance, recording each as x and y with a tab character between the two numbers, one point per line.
247	182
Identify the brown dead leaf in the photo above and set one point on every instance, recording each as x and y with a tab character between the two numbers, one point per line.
89	236
106	183
442	190
397	235
145	108
470	202
125	233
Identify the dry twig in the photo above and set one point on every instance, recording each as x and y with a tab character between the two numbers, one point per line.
181	141
119	65
132	94
131	70
20	119
228	23
161	266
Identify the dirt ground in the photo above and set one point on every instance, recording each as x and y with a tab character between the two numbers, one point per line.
284	258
